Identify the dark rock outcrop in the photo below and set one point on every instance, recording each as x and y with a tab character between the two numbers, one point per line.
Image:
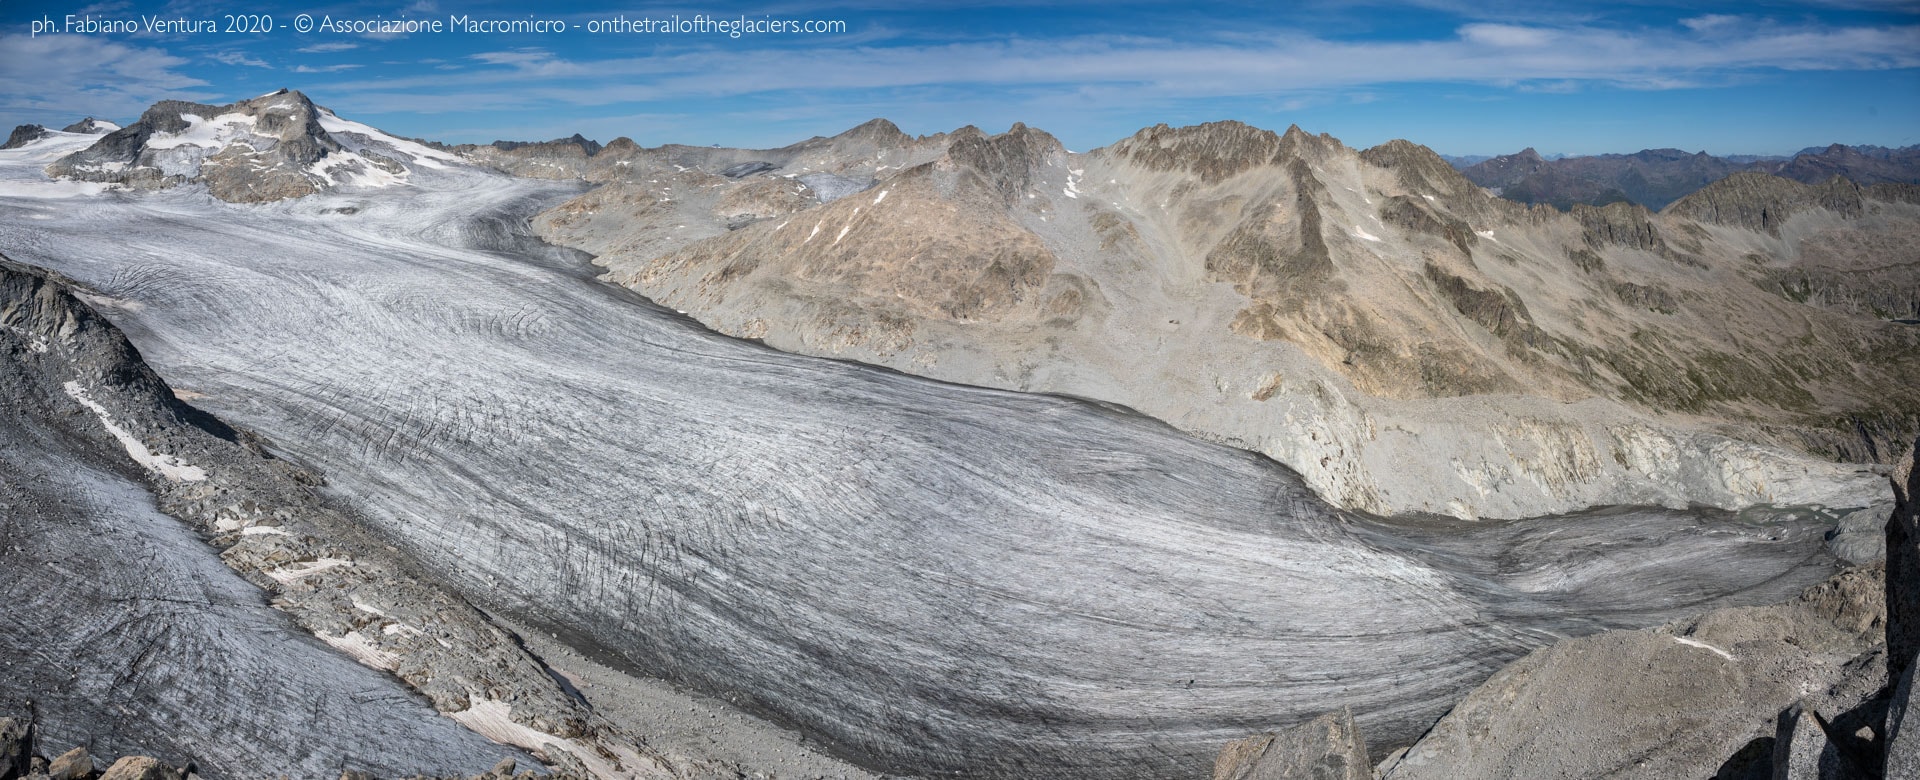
89	126
75	764
1903	567
1619	224
1759	202
1675	701
23	135
1329	747
16	747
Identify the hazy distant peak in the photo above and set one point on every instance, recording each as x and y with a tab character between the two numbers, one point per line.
877	131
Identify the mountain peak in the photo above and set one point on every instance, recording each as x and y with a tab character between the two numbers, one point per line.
1215	150
1006	161
23	135
877	131
261	149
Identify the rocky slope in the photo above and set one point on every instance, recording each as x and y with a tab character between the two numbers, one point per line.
1656	177
269	148
1819	686
1372	318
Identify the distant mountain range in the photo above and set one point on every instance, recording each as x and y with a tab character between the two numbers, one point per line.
1657	177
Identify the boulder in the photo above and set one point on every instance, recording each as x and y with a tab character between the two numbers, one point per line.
1860	537
1326	748
74	764
1673	701
139	768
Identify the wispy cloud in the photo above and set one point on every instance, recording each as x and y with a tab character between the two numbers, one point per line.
238	59
326	48
1538	57
324	68
75	74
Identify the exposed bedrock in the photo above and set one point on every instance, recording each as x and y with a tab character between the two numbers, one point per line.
928	578
1723	693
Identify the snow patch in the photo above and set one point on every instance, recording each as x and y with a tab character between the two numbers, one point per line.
52	189
843	234
1704	646
1486	234
166	465
296	571
263	530
421	153
492	719
1364	234
204	133
35	343
362	649
880	197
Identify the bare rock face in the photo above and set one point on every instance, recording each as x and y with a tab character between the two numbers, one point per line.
90	126
1902	739
23	135
1326	748
561	158
1903	567
16	747
74	764
269	148
1674	701
1764	203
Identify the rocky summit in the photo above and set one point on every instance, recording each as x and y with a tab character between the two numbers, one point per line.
273	147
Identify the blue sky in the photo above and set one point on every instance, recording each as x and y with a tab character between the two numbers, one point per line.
1461	76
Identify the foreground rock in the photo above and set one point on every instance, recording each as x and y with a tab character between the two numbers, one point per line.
1903	566
1326	748
1673	701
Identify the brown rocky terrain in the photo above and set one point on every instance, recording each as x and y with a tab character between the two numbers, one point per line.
1370	317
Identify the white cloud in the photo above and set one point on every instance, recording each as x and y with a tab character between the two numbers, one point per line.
1709	22
1549	58
80	74
238	58
325	48
1506	35
323	68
